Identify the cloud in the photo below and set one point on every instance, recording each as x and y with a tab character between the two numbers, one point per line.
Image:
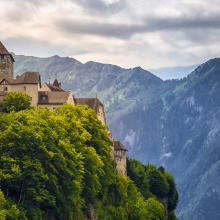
18	43
101	6
151	24
144	33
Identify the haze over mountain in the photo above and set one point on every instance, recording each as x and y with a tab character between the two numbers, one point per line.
174	123
177	72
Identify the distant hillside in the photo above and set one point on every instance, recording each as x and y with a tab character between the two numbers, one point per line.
174	123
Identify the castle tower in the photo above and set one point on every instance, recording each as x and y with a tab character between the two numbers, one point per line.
6	64
120	157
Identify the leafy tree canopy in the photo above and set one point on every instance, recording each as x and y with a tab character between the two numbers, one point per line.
15	101
155	183
57	165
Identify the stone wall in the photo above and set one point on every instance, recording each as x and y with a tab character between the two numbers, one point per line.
101	115
29	89
121	162
6	67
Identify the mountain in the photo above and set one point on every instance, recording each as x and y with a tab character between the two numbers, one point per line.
191	137
174	123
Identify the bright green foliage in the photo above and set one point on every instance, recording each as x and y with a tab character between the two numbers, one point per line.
155	210
15	101
128	203
154	182
57	165
3	211
7	209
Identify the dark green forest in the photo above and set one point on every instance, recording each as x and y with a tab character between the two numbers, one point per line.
56	165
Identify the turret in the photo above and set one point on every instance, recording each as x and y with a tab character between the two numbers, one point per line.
6	64
120	156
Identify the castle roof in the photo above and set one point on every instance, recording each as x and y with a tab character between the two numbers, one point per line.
93	103
56	83
27	78
4	51
6	81
53	97
54	87
118	146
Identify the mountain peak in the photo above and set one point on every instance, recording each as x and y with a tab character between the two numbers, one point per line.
210	67
138	68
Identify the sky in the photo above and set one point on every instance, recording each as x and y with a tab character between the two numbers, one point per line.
148	33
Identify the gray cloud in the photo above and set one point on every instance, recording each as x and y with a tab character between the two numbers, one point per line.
148	25
149	33
31	2
93	6
100	6
41	47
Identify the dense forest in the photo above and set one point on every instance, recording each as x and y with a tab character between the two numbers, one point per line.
56	165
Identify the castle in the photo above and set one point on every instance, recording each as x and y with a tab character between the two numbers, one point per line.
51	96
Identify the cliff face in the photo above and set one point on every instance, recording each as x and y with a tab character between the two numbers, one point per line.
191	137
171	123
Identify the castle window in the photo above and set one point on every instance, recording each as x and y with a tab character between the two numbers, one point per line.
2	57
43	97
118	154
5	89
25	88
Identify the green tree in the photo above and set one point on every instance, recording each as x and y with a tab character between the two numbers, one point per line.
137	172
57	165
15	101
43	171
157	181
172	194
3	211
172	216
7	209
154	210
